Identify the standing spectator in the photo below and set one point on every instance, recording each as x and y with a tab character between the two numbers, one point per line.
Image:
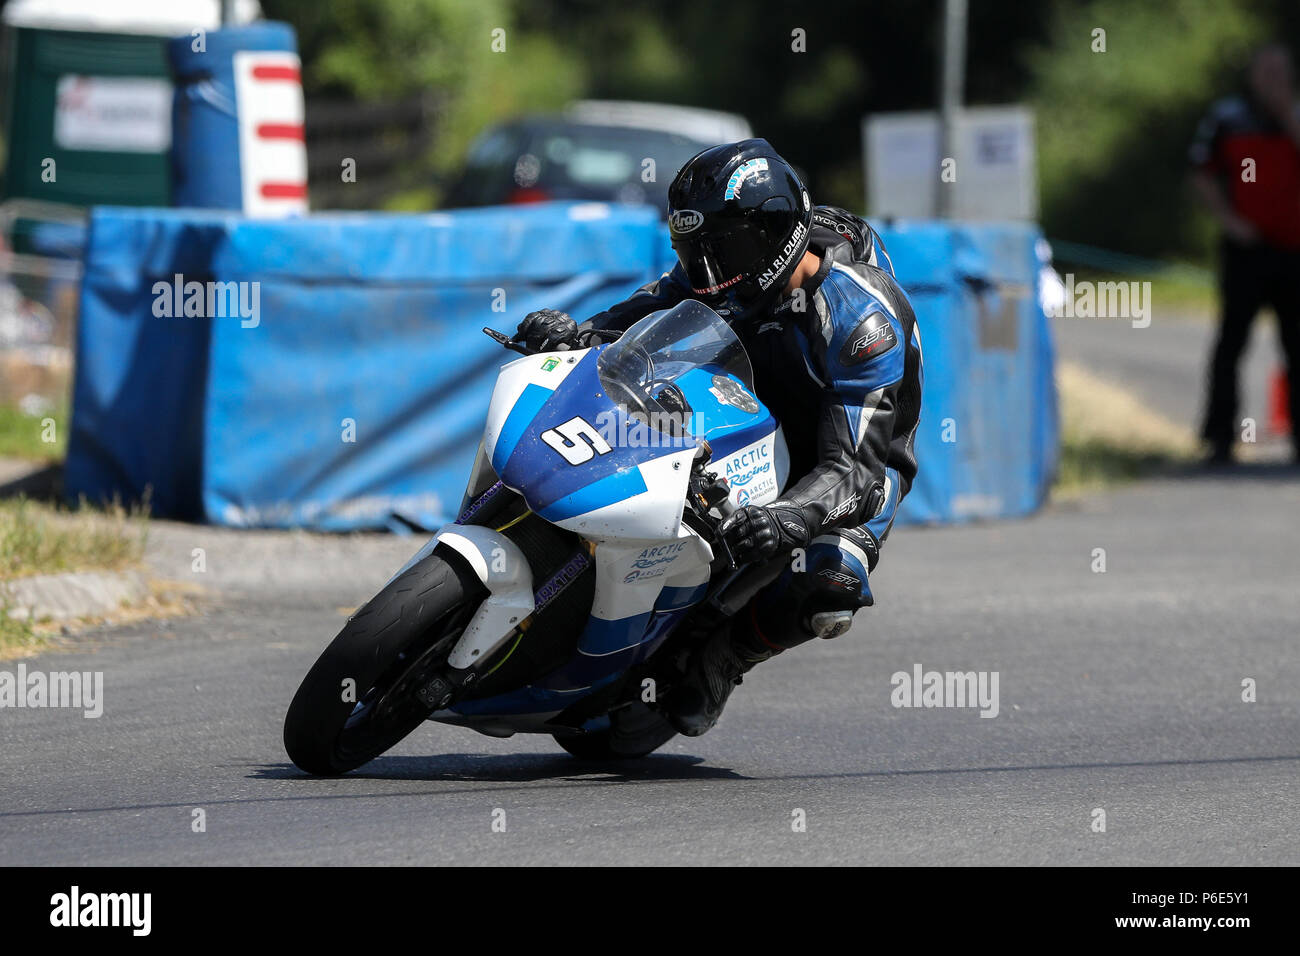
1246	159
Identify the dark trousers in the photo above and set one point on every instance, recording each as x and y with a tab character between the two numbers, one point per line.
1250	278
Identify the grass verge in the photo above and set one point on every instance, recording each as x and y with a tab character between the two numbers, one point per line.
1109	437
29	436
39	539
17	635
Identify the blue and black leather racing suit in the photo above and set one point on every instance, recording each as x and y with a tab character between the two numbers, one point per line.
840	368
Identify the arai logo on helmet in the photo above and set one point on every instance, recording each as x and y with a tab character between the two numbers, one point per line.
742	171
683	221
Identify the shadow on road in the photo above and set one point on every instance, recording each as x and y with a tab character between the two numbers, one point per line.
1278	471
519	768
542	771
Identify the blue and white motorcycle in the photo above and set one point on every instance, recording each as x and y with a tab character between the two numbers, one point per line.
586	538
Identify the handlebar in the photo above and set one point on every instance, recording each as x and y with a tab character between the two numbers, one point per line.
505	341
586	339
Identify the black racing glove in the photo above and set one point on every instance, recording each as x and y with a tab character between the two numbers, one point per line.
760	532
546	330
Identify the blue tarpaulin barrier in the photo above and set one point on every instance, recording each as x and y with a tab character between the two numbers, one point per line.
987	444
331	373
355	396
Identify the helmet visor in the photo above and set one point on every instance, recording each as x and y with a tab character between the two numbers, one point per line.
719	265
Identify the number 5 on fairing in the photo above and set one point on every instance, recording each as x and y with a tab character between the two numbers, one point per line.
577	441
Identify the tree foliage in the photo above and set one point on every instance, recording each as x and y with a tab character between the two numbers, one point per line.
1113	127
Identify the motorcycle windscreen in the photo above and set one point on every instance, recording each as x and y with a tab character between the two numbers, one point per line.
682	372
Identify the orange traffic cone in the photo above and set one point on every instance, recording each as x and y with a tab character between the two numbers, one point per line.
1279	405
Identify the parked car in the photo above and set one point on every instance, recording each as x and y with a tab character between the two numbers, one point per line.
596	150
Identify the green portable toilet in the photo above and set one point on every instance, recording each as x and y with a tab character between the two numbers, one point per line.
88	101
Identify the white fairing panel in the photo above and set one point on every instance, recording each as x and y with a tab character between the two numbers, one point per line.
630	575
547	369
655	514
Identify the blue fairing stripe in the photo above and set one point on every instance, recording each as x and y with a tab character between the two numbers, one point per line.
671	598
607	491
719	419
526	700
547	480
525	409
605	637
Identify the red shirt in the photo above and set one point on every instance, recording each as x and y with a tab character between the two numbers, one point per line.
1236	130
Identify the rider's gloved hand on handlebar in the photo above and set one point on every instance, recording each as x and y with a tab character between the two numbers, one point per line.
546	330
760	532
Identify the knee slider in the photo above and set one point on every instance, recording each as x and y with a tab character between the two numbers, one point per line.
829	624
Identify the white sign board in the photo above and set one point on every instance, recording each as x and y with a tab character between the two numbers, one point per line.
126	114
164	18
995	164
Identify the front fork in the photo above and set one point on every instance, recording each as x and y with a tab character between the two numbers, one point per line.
502	568
504	571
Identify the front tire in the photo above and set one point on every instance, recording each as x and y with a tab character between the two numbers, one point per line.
388	649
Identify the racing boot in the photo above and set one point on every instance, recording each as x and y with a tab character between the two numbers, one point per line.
713	670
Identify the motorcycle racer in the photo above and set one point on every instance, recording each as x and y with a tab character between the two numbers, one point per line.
810	292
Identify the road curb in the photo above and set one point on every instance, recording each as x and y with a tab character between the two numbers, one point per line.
62	597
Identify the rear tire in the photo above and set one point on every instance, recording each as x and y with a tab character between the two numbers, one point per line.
393	645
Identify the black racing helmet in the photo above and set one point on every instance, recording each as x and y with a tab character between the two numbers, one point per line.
739	219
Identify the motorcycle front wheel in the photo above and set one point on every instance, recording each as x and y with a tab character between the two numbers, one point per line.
358	700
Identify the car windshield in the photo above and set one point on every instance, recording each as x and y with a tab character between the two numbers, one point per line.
644	370
610	156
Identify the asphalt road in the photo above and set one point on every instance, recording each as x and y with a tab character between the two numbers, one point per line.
1119	691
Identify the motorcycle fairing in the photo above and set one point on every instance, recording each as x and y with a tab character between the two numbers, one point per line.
626	499
601	496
